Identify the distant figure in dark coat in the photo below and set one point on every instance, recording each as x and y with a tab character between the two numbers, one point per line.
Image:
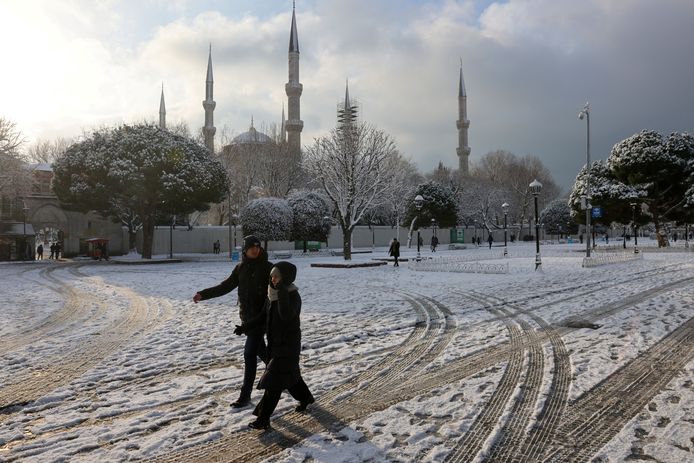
394	251
52	248
39	252
434	243
281	319
490	240
251	276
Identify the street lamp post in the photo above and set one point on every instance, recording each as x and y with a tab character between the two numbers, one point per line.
535	189
586	113
231	245
505	207
418	203
633	222
173	221
25	210
475	239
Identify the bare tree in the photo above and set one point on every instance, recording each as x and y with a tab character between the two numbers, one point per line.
514	174
47	151
404	181
354	166
14	175
481	201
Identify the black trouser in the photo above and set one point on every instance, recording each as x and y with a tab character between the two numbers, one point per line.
396	261
271	398
254	348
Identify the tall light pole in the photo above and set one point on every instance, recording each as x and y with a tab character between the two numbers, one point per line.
475	238
418	203
586	113
173	221
633	225
505	207
535	189
231	244
25	210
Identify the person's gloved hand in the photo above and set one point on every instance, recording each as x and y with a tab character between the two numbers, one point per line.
238	330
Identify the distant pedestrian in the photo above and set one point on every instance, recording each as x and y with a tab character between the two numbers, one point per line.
58	250
394	251
39	252
490	240
674	237
52	248
580	238
607	239
479	241
280	317
434	243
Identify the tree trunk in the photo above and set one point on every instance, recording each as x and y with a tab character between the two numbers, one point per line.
147	237
347	243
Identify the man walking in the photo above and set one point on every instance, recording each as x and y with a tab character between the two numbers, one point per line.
251	277
394	251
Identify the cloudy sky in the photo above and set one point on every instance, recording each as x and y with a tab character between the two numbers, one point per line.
529	66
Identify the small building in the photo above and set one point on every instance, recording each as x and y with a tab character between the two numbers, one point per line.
16	241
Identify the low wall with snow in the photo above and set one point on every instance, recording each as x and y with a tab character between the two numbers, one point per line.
199	239
458	265
610	258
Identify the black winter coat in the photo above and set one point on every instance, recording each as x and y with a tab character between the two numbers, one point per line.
395	249
283	330
251	276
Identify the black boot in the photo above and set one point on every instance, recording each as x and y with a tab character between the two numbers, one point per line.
241	402
303	405
260	424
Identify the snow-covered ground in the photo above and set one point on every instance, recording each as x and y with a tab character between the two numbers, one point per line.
107	362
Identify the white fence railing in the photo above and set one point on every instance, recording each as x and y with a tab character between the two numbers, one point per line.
458	265
610	258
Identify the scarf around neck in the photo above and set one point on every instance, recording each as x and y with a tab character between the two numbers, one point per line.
273	294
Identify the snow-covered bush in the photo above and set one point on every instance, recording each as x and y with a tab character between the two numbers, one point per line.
439	204
310	210
270	219
556	218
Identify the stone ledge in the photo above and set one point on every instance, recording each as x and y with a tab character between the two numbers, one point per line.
355	265
146	261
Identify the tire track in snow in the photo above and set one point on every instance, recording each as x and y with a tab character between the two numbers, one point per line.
600	414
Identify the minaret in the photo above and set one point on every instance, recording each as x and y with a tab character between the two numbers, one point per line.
209	129
347	111
283	130
294	124
162	109
463	124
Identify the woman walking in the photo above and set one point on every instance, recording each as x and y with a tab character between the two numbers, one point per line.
281	319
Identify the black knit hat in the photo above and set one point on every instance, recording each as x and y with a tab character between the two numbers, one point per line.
250	241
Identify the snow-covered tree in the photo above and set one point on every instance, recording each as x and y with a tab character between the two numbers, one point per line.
439	204
354	167
311	216
556	218
660	168
270	219
613	196
137	173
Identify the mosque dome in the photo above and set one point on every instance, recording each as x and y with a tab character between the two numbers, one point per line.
251	137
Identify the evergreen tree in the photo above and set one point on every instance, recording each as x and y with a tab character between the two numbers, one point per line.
138	173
